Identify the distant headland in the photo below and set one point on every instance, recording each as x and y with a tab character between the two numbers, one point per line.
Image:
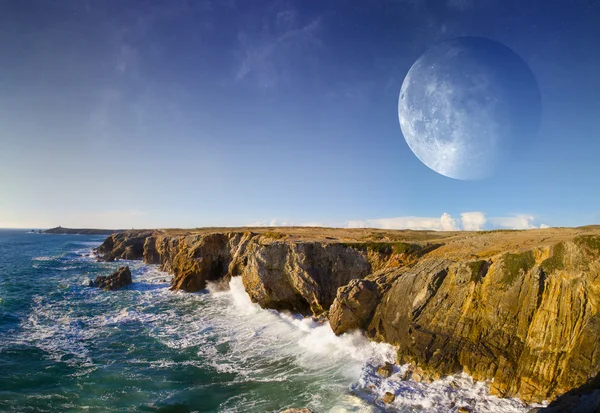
81	231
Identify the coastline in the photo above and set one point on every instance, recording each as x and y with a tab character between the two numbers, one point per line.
308	270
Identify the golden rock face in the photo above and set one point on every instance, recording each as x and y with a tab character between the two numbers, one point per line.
535	333
519	307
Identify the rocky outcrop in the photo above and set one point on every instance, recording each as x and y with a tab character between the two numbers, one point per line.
388	397
353	306
115	281
302	277
128	245
521	309
385	370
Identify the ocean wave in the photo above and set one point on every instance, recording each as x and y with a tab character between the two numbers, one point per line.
52	328
44	258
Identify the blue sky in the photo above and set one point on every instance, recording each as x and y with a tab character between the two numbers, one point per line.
209	113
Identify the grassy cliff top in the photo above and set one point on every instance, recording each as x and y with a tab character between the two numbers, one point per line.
454	244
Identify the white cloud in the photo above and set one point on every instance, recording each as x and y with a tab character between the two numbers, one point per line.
544	226
468	221
448	223
473	221
443	223
272	223
520	221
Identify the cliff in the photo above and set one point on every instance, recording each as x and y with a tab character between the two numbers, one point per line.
521	308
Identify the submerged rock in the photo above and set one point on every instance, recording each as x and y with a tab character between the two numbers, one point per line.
388	397
115	281
385	370
304	410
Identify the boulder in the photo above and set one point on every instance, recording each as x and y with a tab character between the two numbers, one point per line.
115	281
353	306
385	370
388	398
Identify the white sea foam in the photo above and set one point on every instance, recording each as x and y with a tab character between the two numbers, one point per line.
88	244
43	258
53	329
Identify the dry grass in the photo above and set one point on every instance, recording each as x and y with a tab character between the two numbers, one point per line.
455	244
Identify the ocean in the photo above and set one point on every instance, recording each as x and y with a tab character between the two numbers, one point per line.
66	347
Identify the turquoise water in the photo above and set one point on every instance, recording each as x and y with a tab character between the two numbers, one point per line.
65	347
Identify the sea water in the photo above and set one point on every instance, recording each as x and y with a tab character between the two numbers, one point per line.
66	347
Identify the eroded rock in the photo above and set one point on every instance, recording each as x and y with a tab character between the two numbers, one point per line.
385	370
388	397
353	306
115	281
128	245
302	277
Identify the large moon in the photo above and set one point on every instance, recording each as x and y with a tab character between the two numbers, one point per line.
466	105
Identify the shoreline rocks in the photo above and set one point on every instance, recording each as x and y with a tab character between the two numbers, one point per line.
385	370
388	397
115	281
353	307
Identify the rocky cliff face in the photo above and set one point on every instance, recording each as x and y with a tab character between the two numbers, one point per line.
529	320
520	308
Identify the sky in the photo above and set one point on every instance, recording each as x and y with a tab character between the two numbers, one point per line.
181	113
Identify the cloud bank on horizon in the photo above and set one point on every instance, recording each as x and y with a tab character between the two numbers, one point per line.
468	221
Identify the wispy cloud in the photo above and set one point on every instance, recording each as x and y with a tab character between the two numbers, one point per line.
450	4
268	56
126	58
463	5
459	4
